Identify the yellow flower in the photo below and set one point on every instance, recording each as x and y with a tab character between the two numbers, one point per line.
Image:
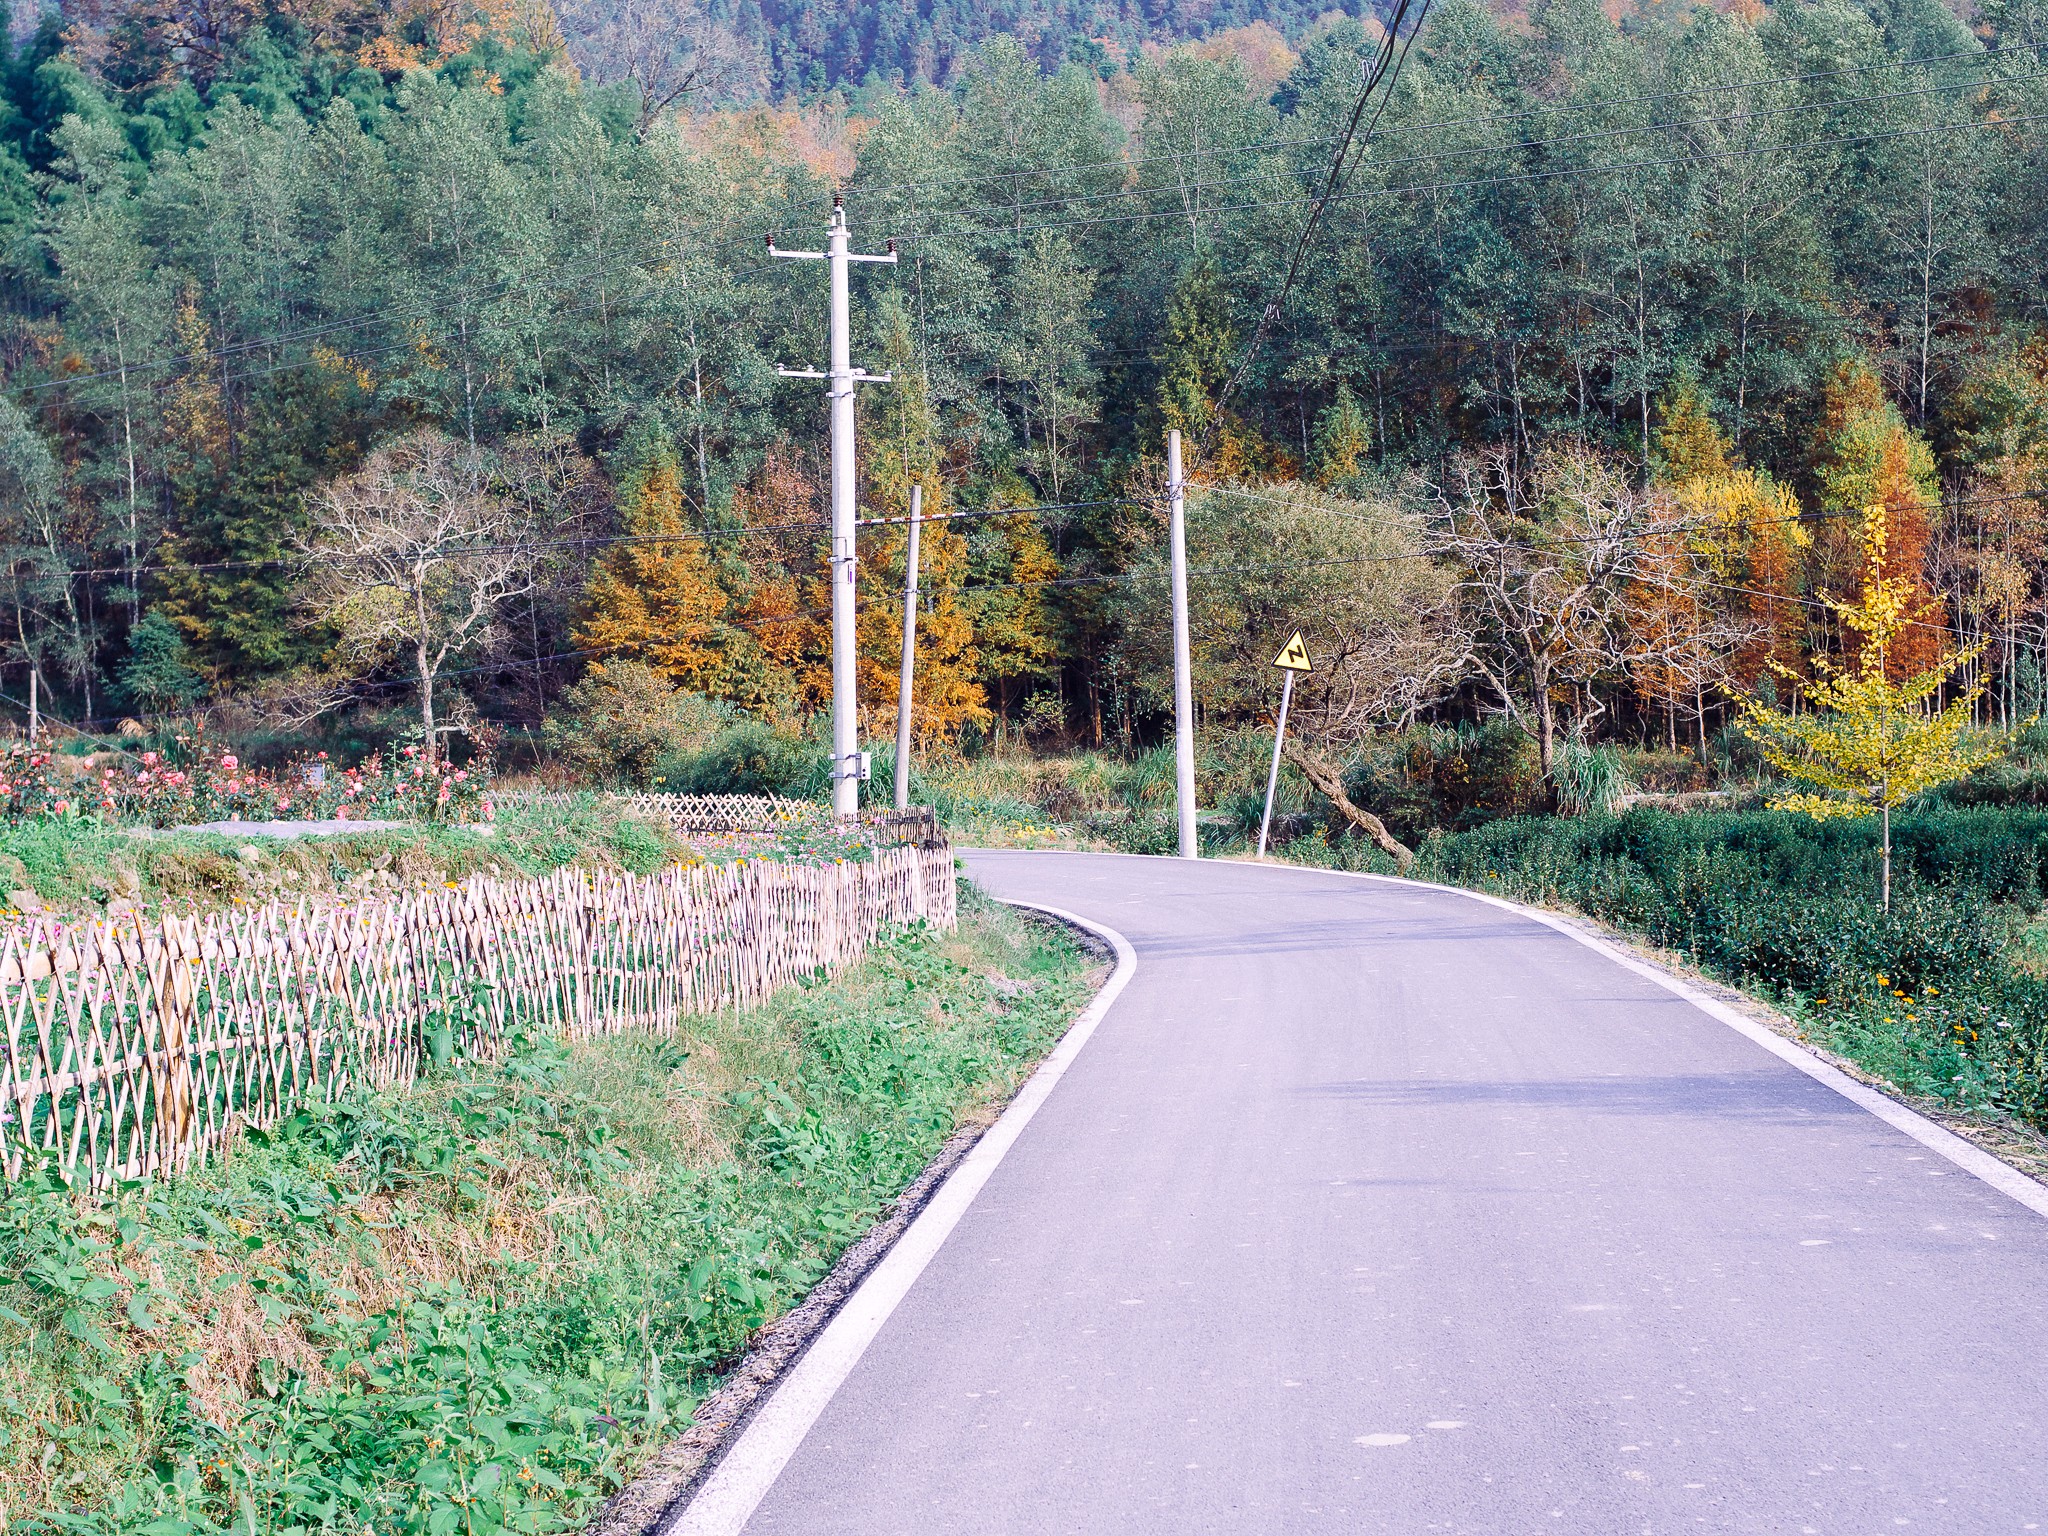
1883	980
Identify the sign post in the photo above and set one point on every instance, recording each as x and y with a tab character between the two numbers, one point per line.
1293	658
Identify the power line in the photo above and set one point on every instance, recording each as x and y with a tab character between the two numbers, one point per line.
512	546
1388	69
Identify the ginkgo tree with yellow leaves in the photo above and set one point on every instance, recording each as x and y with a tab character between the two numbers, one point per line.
1873	741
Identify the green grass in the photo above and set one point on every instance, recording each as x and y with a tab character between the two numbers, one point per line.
476	1305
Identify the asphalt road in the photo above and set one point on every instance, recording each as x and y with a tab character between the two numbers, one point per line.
1370	1208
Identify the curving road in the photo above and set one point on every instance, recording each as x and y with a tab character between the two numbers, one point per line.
1373	1208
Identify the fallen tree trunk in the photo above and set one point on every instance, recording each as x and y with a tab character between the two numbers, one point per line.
1331	783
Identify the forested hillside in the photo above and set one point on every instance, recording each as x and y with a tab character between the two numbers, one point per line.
809	44
1657	307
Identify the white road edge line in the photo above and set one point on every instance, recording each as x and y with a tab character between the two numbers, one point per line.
1938	1139
728	1498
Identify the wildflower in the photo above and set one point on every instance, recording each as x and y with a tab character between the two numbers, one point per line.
1932	991
1883	980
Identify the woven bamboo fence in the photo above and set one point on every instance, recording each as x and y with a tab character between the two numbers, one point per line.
132	1050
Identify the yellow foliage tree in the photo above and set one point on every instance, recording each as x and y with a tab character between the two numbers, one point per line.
1873	741
655	598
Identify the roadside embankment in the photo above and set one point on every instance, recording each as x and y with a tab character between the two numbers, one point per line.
477	1303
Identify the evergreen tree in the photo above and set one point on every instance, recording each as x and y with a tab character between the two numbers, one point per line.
157	677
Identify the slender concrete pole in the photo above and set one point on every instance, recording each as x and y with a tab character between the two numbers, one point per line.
1273	773
909	652
1183	680
845	701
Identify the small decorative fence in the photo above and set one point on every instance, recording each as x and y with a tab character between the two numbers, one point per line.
130	1050
747	813
690	813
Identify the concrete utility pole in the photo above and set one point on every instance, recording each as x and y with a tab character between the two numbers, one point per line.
909	652
1183	681
840	376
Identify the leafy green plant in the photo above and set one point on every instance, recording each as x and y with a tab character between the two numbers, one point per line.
1588	780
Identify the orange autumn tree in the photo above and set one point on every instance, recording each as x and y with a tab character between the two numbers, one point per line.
1869	457
654	596
781	636
1996	543
1714	611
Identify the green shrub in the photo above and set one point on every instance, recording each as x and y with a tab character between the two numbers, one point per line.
752	757
1588	780
1449	776
618	726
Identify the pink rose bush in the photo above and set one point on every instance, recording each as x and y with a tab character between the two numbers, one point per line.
147	790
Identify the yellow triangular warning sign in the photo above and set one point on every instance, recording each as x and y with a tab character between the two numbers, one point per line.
1293	655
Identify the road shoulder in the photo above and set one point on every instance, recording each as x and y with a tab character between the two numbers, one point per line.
711	1477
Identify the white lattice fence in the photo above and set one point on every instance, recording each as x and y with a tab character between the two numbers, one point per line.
129	1051
695	813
